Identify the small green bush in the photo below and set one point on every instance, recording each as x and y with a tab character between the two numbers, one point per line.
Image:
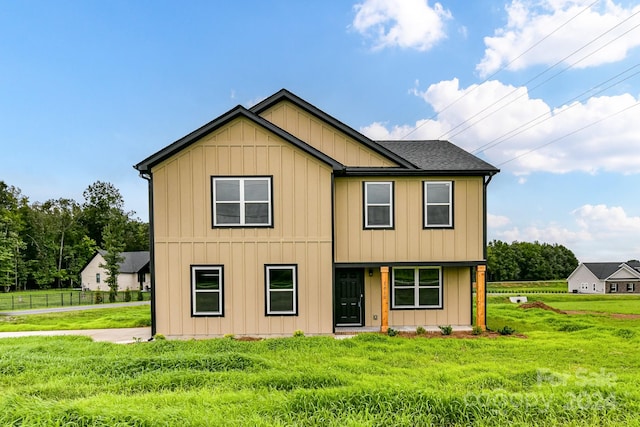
113	296
392	332
298	333
127	295
477	330
506	330
420	330
446	330
159	337
139	296
229	336
98	298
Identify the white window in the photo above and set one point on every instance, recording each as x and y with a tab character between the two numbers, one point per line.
416	287
242	202
631	287
207	290
378	205
614	287
281	289
97	277
438	204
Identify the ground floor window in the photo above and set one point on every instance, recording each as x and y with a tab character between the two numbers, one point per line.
614	287
631	287
207	290
281	290
416	287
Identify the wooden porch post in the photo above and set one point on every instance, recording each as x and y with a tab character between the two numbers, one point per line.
384	317
481	318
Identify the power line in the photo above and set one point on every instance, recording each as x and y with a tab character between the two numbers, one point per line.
547	115
570	133
495	103
501	69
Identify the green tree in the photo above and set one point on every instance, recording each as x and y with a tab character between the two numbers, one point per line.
11	243
102	202
113	245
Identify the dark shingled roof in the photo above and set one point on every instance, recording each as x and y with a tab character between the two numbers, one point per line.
602	270
133	261
435	155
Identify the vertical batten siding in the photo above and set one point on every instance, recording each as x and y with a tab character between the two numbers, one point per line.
408	241
184	235
330	141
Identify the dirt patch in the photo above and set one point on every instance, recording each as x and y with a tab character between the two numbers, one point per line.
541	305
455	335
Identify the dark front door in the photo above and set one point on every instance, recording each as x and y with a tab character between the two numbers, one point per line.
349	296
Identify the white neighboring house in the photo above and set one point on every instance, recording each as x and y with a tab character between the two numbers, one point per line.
605	278
134	272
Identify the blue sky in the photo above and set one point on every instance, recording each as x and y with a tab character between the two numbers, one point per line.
546	90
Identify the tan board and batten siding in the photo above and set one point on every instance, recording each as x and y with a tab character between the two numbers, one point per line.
184	236
322	136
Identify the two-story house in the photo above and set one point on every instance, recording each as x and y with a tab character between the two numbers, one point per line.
280	218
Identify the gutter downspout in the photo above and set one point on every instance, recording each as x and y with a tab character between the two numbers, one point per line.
152	270
484	238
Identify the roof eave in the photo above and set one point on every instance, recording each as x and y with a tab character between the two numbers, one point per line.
390	171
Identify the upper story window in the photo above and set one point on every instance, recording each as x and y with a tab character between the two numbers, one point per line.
242	202
97	277
378	205
206	290
438	204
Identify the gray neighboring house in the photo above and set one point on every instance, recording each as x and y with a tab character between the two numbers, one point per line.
605	278
134	272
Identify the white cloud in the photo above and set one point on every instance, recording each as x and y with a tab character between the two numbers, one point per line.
587	137
403	23
497	221
599	233
530	22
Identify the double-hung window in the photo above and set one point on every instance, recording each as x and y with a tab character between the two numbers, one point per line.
631	287
416	287
614	287
281	290
438	204
242	202
378	205
207	290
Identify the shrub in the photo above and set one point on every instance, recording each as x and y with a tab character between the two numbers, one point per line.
506	330
139	296
113	295
446	330
477	330
98	298
229	336
298	333
159	337
420	330
392	332
127	295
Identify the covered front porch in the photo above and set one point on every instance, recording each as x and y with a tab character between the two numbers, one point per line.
363	299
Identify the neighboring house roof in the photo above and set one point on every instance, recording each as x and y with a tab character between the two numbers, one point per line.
412	157
133	262
439	156
603	270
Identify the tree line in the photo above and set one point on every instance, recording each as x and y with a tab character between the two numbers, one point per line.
528	261
45	245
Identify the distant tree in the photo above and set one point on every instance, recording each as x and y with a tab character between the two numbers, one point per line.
102	202
528	261
113	245
11	243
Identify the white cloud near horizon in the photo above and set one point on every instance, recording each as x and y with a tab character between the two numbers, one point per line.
529	22
402	23
599	134
599	229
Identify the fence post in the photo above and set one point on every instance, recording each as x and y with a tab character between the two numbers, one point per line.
12	304
30	301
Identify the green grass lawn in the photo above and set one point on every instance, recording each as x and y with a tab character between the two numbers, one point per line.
576	370
96	318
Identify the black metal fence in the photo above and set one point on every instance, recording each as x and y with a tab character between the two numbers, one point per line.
27	301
